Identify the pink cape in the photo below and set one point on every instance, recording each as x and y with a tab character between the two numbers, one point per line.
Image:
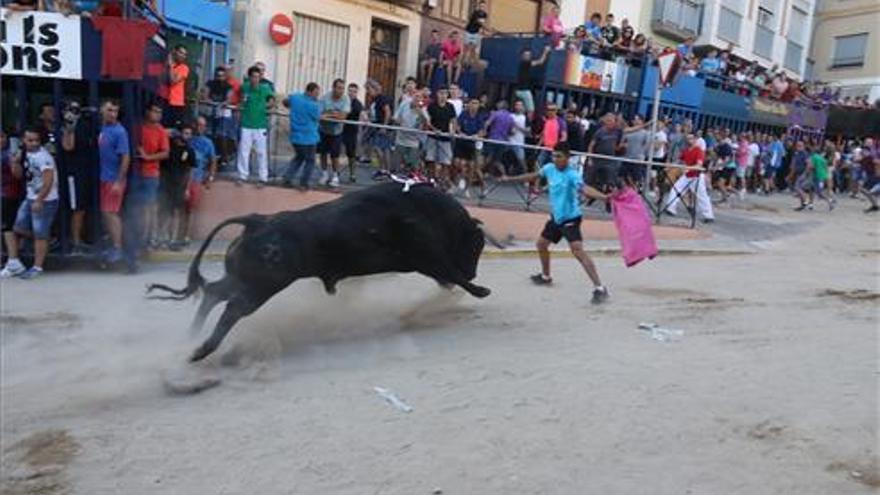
633	227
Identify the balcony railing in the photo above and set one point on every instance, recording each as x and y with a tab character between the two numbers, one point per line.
793	55
763	42
729	25
677	19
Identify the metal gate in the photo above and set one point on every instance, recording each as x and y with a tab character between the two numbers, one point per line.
319	54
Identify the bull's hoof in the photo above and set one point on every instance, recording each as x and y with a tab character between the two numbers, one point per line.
199	354
480	292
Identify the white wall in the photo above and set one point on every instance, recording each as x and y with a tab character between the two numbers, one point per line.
574	12
357	14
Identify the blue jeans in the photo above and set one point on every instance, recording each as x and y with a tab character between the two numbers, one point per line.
37	224
305	155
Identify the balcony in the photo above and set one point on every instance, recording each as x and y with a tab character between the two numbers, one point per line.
794	54
677	19
763	42
729	25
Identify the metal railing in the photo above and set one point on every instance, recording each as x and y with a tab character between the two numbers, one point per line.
281	153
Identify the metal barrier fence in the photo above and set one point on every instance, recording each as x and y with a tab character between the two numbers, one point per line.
280	153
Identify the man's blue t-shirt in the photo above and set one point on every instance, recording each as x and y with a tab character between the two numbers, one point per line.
112	144
304	116
205	153
777	151
564	187
471	124
710	65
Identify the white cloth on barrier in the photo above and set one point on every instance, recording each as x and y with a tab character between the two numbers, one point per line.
696	185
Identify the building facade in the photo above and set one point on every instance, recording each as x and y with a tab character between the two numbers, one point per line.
351	40
845	51
771	32
505	16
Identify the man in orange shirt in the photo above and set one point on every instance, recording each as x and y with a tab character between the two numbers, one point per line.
154	147
178	72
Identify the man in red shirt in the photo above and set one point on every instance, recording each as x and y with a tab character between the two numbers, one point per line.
450	54
178	72
693	181
153	148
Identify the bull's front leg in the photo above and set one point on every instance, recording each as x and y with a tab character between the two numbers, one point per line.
237	308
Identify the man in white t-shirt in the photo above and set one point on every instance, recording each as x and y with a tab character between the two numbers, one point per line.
661	143
660	148
455	99
754	153
37	211
701	143
518	135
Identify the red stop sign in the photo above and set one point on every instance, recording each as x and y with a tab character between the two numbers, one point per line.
281	29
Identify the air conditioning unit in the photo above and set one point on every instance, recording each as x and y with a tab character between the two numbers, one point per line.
432	4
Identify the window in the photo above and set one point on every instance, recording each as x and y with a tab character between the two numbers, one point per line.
729	23
765	18
797	26
459	9
794	53
849	51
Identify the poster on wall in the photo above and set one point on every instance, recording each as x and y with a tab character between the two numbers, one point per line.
595	73
40	44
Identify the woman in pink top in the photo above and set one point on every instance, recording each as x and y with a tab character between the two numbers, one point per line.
552	26
450	54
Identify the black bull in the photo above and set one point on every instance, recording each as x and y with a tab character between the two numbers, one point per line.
380	229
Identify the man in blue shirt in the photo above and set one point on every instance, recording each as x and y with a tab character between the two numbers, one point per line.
471	123
305	114
775	151
203	173
711	64
686	49
564	186
594	28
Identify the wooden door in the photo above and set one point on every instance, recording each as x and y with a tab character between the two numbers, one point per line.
384	48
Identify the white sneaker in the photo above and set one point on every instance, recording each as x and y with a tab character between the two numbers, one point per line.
742	194
334	182
12	269
325	178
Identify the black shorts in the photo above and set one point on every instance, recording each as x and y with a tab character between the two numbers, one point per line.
351	143
726	173
172	195
465	150
10	210
330	145
80	191
570	230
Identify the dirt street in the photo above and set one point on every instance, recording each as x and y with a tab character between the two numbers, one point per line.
771	389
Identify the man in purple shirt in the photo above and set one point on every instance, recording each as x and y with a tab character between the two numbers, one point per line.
498	128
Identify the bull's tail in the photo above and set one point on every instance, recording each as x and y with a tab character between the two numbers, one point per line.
195	280
489	237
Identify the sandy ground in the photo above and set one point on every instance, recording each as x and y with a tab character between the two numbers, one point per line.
772	389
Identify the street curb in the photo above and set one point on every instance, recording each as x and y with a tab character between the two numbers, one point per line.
183	257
